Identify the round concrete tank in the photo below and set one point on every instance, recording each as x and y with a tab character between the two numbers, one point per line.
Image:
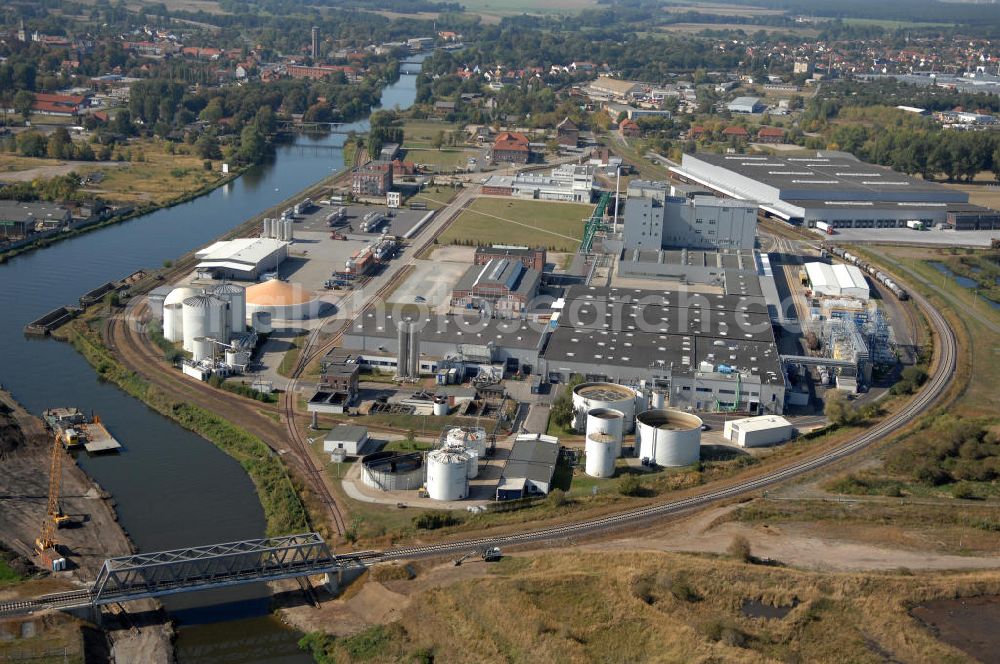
607	421
473	467
470	437
587	396
260	321
195	316
440	407
173	322
669	437
392	471
201	349
236	297
448	473
600	451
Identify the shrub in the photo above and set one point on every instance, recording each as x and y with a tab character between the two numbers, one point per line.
630	485
435	520
739	549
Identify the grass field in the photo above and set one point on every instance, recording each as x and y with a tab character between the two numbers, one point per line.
420	133
446	160
602	606
557	226
718	9
514	7
891	24
748	28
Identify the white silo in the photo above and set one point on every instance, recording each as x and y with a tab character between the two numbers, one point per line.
266	231
173	322
587	396
260	321
202	349
473	465
289	231
195	315
236	297
669	437
607	421
600	451
447	474
473	438
218	318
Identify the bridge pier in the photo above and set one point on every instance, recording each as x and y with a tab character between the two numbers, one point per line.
332	581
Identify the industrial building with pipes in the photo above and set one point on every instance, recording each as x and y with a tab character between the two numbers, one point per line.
571	183
835	188
708	351
840	280
243	259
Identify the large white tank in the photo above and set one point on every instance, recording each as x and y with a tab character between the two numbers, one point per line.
473	438
669	437
178	295
587	396
289	231
218	318
236	297
473	466
202	349
173	322
260	321
657	400
441	407
607	421
448	474
195	315
600	451
266	232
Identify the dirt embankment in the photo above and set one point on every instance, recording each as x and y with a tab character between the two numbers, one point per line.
92	536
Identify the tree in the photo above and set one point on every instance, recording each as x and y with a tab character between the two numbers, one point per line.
837	409
252	145
438	140
207	146
23	102
996	162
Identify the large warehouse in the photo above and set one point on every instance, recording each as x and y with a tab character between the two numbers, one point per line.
839	280
832	187
245	259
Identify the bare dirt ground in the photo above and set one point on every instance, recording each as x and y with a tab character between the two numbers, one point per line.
454	254
93	536
57	168
794	544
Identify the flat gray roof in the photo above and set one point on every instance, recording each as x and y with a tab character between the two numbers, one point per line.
670	298
827	171
351	432
30	211
531	459
455	330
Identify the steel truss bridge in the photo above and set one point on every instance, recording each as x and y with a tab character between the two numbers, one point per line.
161	573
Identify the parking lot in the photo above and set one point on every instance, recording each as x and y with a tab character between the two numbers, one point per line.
400	221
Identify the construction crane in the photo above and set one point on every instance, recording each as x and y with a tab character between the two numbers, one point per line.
54	517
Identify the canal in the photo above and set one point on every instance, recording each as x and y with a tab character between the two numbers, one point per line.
173	488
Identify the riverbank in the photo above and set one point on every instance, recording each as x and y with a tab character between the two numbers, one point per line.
283	509
145	634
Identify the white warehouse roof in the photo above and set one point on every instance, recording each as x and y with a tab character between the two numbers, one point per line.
761	423
246	250
837	280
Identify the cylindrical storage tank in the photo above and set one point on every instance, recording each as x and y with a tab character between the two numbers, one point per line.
201	349
470	437
266	232
448	473
261	322
173	322
440	407
289	231
473	466
669	437
218	318
587	396
392	471
657	400
195	315
236	297
607	421
600	451
231	357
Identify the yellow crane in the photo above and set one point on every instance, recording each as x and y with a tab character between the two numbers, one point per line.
54	517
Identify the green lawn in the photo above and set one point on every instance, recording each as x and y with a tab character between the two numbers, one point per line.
420	133
446	160
514	7
557	226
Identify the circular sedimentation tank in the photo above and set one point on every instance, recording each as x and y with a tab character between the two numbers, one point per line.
669	437
588	396
392	471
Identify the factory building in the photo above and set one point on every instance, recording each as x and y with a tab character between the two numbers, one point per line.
529	468
372	179
717	268
746	105
840	280
504	287
709	351
243	259
653	222
19	219
533	258
475	341
570	183
835	188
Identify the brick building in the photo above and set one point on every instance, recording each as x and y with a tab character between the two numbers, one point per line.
511	147
530	258
372	179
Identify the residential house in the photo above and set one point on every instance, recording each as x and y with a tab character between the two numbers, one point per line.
567	133
511	147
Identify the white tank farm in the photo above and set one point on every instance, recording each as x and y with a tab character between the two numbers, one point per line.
600	451
195	317
669	437
173	322
587	396
607	421
201	349
236	298
448	474
260	321
470	437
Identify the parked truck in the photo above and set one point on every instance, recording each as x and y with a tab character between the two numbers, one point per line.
915	224
825	227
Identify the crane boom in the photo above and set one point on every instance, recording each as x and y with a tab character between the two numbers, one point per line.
53	513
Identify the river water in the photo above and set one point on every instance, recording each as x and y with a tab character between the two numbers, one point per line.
173	488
